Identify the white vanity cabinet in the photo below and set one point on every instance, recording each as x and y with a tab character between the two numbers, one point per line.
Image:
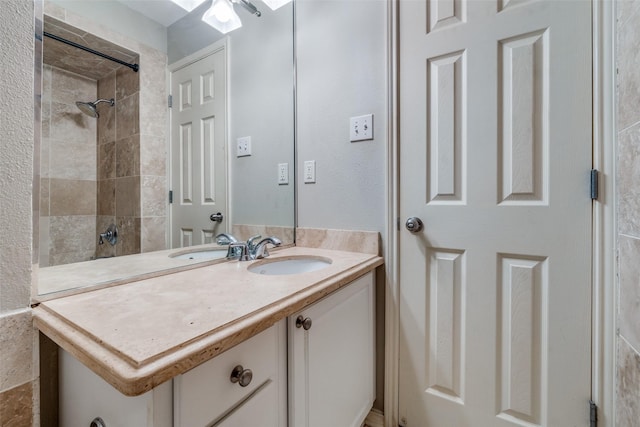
332	358
85	396
312	369
207	396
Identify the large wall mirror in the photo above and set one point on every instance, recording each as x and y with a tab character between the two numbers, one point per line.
123	176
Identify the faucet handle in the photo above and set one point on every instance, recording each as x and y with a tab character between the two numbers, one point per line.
240	247
252	239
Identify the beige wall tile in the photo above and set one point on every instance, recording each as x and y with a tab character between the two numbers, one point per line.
69	124
17	344
107	119
73	239
128	156
73	197
628	63
153	234
67	88
127	83
629	276
153	155
107	160
107	197
154	193
629	180
128	236
71	159
16	406
627	386
127	117
128	197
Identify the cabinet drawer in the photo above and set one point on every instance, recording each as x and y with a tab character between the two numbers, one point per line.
205	394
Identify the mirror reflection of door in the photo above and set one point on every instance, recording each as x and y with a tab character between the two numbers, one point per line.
198	159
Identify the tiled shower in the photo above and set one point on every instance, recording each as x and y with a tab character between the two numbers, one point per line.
92	175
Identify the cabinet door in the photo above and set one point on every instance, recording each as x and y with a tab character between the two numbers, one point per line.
84	396
332	364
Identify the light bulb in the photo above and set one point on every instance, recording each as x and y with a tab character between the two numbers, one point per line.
222	17
223	10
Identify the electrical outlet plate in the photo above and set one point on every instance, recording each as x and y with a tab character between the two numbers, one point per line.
361	128
243	146
283	173
309	171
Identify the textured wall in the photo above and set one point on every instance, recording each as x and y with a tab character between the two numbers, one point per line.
341	71
628	183
17	349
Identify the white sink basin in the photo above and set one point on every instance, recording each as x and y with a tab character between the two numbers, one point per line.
295	265
202	254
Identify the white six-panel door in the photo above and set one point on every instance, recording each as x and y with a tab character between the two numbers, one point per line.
495	152
198	150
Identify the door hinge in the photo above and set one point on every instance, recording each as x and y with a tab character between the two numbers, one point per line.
594	184
593	414
170	101
170	196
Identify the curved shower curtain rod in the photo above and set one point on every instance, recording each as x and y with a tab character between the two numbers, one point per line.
134	67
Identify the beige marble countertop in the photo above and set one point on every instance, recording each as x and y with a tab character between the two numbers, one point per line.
141	334
72	278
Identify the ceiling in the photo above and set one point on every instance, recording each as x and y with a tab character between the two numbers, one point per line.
164	12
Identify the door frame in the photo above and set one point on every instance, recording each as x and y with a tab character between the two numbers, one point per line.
604	284
214	47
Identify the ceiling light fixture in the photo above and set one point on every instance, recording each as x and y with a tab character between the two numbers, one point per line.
222	17
188	5
275	4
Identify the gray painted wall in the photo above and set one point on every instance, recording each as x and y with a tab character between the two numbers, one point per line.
341	66
120	18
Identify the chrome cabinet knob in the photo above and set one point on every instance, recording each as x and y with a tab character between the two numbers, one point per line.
302	322
216	217
414	224
97	422
241	376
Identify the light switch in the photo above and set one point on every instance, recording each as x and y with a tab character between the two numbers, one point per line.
361	128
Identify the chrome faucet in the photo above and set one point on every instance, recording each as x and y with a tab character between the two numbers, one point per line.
249	250
261	248
224	239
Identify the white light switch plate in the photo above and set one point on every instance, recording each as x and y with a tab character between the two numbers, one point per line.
309	171
361	128
244	146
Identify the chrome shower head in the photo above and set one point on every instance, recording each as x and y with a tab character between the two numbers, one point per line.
89	108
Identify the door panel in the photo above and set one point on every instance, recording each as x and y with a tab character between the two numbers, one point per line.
495	153
198	153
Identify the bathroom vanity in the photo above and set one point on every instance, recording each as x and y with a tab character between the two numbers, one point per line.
222	345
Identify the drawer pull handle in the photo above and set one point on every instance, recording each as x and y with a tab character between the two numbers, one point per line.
241	376
304	323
